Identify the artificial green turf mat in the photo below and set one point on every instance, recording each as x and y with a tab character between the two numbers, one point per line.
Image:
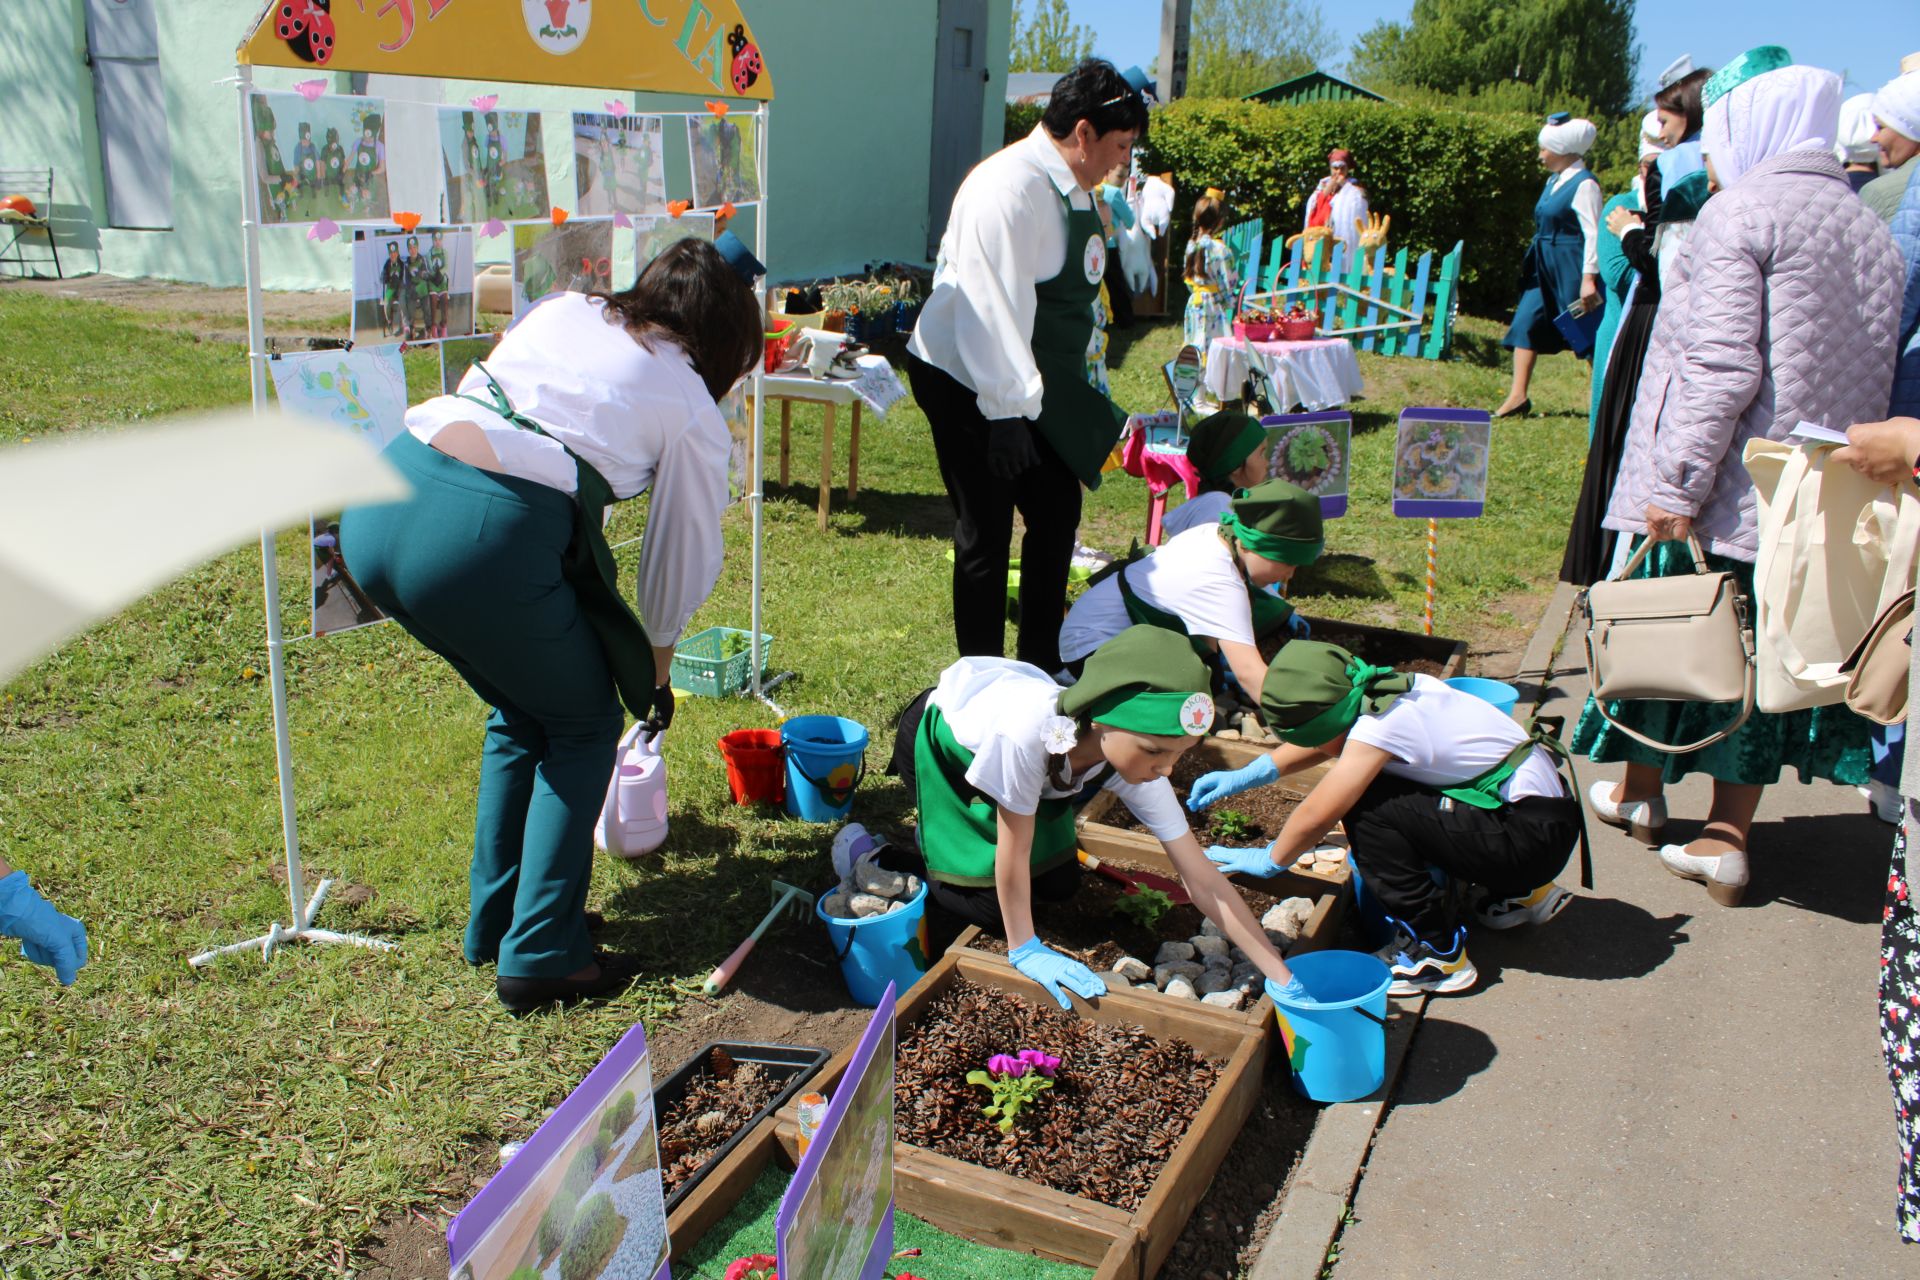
748	1228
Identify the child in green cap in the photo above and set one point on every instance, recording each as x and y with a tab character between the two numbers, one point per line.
1209	583
1424	776
1229	451
998	755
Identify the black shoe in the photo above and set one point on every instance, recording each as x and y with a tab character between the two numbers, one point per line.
526	995
1520	410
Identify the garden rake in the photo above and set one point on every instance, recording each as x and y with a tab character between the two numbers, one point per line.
786	897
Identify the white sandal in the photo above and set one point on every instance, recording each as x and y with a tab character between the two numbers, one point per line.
1643	819
1693	866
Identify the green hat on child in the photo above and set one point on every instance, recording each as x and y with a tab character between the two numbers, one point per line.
1278	520
1219	444
1145	680
1315	691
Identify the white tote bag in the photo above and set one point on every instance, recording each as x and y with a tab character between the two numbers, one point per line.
1834	550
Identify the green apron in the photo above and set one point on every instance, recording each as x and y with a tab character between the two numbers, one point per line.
959	826
589	569
1483	792
1079	422
1270	612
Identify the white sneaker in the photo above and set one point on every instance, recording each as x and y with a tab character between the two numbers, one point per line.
1691	866
1538	907
1643	819
1885	802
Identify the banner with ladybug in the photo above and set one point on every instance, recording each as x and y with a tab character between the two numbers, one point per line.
649	46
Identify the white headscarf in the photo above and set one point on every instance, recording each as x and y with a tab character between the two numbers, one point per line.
1650	144
1793	108
1855	144
1898	105
1573	138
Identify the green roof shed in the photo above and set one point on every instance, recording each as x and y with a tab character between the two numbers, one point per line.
1314	86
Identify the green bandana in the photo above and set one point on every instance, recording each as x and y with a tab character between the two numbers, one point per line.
1277	520
1754	62
1221	443
1314	691
1145	680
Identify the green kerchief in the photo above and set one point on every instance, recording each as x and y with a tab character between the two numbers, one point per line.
1315	691
1278	520
1222	442
1754	62
1145	680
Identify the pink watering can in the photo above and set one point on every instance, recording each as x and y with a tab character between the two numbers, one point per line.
633	821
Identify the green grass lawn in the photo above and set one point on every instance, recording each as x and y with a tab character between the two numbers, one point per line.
256	1120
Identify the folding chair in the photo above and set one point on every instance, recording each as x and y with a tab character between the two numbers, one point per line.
37	186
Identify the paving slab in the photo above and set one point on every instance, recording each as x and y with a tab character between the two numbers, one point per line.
1652	1085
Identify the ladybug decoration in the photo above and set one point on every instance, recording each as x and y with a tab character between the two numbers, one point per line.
307	27
746	59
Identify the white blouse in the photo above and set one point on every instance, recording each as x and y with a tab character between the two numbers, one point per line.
641	417
1586	207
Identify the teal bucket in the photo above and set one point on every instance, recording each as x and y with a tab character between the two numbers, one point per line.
826	759
1500	694
879	949
1337	1042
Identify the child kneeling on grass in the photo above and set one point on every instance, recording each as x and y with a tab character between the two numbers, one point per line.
1424	776
999	753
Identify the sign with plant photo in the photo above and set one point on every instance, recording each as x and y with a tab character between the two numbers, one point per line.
836	1218
1314	451
583	1198
1440	461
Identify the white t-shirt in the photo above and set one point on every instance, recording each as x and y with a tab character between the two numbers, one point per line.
1441	737
1191	576
642	417
997	708
1201	509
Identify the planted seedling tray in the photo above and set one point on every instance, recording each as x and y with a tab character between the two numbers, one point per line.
1412	651
1128	1230
784	1067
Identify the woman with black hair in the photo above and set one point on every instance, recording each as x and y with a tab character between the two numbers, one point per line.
998	358
498	564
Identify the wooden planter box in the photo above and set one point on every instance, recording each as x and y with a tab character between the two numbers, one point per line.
1011	1213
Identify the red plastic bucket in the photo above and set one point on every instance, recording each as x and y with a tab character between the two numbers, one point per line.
756	766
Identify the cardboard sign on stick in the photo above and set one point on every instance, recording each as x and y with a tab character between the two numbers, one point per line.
1440	463
1314	451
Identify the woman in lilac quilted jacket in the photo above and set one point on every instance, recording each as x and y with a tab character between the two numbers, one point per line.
1782	306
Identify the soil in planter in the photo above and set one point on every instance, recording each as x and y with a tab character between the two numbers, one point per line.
715	1105
1120	1104
1401	652
1265	809
1087	927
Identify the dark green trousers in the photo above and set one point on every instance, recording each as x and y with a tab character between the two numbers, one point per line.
470	566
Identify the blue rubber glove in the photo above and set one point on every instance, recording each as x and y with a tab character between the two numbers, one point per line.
1297	623
1292	991
1222	783
1243	862
46	936
1053	971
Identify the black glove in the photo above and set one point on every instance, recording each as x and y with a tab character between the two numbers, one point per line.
660	715
1010	449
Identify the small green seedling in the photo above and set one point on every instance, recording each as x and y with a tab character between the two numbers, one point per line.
1015	1082
733	643
1231	824
1144	906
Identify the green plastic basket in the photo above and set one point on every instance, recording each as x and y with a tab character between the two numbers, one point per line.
702	666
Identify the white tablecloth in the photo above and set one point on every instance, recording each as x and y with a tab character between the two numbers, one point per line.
878	386
1319	374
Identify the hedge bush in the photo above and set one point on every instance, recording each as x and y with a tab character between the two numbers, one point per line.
620	1114
591	1239
554	1222
1021	117
1442	175
580	1172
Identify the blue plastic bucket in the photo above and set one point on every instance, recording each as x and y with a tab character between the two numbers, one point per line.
1375	924
826	759
1500	694
1337	1042
877	950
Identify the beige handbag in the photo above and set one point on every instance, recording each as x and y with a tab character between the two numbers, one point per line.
1680	639
1878	669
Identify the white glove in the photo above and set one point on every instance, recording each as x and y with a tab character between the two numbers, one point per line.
1136	259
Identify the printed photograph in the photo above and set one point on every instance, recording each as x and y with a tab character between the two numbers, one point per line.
496	165
840	1213
726	159
577	255
651	235
1440	467
321	159
618	166
1313	450
413	286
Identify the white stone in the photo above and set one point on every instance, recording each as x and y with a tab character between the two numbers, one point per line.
1182	989
1275	918
1170	951
1148	985
1132	970
1223	999
837	905
867	904
1166	973
870	877
1227	735
1211	981
913	888
1206	946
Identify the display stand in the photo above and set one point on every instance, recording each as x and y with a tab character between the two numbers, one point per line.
359	42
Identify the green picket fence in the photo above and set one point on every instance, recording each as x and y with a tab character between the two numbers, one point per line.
1376	309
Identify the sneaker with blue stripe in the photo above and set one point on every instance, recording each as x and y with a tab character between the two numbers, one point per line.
1538	907
1420	966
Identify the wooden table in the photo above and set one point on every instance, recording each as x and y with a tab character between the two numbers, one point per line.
787	389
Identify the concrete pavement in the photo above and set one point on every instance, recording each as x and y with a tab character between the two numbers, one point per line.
1652	1085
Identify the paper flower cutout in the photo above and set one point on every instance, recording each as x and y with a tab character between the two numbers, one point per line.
325	229
310	89
492	228
559	215
621	220
678	207
616	108
406	221
718	108
1059	734
486	101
